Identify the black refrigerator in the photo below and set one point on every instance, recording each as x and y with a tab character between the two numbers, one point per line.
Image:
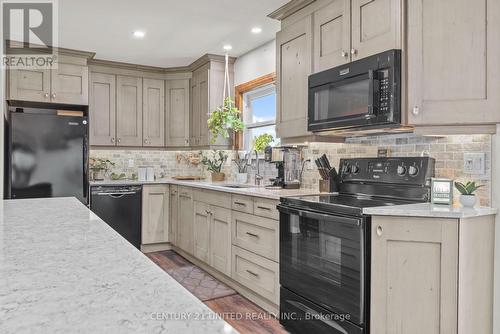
47	154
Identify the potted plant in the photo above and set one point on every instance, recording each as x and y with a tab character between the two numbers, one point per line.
99	168
225	120
241	164
467	190
214	164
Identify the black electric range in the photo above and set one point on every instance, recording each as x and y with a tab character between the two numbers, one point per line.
325	243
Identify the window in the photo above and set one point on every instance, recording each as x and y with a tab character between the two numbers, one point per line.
259	113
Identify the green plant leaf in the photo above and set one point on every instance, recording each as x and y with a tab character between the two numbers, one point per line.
262	141
223	119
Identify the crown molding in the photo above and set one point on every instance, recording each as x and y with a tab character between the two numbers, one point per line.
63	51
209	57
289	8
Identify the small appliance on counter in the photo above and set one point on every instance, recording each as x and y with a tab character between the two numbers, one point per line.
325	243
288	161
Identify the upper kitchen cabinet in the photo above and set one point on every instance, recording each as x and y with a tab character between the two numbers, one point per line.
102	107
375	27
207	87
332	35
293	66
347	30
128	111
177	112
66	83
453	62
153	108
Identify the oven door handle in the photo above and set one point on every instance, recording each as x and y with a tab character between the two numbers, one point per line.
319	216
318	316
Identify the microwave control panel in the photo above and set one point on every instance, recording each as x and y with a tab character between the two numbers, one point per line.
384	98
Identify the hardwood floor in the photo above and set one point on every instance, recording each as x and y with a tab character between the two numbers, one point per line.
239	312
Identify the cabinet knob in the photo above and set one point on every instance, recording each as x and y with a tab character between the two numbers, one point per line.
354	52
53	95
46	95
113	140
119	140
379	231
345	54
415	111
146	141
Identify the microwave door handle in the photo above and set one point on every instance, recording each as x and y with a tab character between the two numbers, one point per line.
371	85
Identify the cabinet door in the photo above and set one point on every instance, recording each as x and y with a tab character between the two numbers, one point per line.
376	27
128	111
70	84
174	214
185	220
201	233
29	85
293	52
414	275
453	66
102	109
332	35
220	239
204	108
177	111
153	108
155	215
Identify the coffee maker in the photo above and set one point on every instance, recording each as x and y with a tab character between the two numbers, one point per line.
288	161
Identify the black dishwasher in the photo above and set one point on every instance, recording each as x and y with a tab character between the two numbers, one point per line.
121	208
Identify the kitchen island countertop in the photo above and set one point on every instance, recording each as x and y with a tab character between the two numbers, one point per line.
63	270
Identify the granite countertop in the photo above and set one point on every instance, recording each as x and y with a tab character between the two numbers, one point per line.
429	210
63	270
249	189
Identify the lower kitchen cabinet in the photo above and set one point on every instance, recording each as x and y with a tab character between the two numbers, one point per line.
185	220
155	214
174	214
201	233
212	236
432	275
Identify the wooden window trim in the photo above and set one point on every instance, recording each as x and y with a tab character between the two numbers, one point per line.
238	99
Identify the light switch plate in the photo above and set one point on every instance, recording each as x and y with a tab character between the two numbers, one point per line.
474	163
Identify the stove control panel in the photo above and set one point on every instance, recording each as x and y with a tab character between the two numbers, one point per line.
404	170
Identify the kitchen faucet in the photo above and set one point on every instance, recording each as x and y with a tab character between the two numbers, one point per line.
258	177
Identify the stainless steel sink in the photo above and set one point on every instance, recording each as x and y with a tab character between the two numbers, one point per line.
236	186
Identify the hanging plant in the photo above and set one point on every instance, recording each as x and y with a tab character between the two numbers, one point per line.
224	119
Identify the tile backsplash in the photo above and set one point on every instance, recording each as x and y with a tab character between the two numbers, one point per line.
448	152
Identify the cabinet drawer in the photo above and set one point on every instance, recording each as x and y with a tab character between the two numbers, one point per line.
211	197
242	203
256	273
265	208
185	192
256	234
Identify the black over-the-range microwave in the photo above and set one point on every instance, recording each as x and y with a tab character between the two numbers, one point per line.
362	95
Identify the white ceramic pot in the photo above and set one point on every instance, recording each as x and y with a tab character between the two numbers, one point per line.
241	177
468	201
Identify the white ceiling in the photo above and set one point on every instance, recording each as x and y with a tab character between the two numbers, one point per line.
177	32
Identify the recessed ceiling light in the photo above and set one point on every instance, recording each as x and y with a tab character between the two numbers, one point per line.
139	34
227	47
256	30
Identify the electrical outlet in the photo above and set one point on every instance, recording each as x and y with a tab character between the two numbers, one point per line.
130	163
474	163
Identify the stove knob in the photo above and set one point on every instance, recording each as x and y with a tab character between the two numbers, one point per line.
345	169
413	170
401	170
354	169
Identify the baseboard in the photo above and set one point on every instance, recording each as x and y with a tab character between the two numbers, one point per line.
242	290
149	248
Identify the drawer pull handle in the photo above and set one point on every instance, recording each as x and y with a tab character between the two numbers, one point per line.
263	208
240	203
252	273
252	235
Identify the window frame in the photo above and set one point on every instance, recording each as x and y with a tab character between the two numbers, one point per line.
246	87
